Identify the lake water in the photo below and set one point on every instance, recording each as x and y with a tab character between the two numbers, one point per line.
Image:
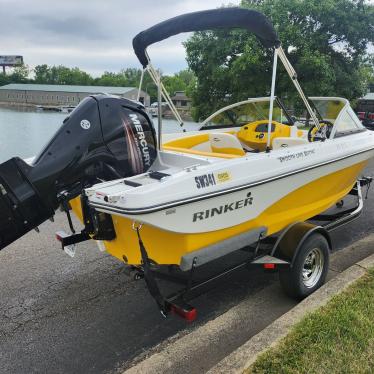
23	132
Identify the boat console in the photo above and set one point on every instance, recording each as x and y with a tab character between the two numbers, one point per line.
255	134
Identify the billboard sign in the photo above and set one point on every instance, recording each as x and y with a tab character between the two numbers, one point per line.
11	60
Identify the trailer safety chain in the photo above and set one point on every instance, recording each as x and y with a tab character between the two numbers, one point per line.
65	206
150	280
368	185
257	245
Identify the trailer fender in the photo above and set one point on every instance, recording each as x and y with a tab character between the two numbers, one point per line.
292	238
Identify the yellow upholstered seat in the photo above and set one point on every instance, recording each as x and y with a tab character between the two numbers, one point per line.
226	143
200	144
197	152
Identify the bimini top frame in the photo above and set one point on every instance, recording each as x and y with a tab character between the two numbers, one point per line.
223	18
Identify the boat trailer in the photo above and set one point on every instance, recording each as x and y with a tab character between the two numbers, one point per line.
279	252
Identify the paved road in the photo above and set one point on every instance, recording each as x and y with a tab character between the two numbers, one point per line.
59	315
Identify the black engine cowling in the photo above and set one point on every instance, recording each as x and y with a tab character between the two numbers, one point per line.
104	138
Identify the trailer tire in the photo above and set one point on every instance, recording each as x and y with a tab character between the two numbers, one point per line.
309	269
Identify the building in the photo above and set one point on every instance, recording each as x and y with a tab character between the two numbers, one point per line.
181	101
183	105
366	103
56	95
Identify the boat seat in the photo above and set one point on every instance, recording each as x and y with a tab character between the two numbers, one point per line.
226	143
197	152
286	142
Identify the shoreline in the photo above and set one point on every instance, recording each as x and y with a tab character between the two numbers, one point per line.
14	104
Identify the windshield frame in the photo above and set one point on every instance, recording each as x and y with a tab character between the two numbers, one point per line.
204	125
346	109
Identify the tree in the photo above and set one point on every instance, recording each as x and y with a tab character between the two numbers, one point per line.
45	74
130	77
181	81
329	42
42	74
18	74
369	70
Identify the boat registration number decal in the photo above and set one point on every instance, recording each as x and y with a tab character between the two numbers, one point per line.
211	179
205	180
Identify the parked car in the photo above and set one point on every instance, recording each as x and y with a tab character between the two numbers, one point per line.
367	119
153	109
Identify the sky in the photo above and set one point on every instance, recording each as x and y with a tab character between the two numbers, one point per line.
94	35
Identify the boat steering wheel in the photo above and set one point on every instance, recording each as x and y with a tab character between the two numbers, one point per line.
321	134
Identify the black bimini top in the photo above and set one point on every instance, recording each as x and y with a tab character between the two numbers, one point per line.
221	18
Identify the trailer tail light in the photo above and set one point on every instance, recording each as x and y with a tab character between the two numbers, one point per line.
269	266
186	311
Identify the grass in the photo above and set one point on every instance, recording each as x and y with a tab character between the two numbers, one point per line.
338	338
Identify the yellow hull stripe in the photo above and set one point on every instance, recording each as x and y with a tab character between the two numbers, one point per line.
165	247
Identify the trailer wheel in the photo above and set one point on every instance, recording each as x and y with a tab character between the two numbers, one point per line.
309	268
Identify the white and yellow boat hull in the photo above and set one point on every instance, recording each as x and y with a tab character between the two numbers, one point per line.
237	207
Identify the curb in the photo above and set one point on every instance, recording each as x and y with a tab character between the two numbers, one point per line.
246	355
172	355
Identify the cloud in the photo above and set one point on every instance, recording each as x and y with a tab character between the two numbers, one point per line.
75	27
94	35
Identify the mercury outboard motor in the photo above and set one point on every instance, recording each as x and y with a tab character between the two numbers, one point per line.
104	138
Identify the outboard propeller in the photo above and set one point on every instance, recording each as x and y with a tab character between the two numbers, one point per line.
104	138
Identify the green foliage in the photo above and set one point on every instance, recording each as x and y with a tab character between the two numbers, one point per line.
329	42
368	73
185	80
130	77
18	74
125	77
337	338
45	74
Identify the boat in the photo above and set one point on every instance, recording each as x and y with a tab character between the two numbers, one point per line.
250	176
237	179
54	108
67	108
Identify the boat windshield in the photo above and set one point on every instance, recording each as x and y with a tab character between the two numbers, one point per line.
339	113
242	113
329	108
